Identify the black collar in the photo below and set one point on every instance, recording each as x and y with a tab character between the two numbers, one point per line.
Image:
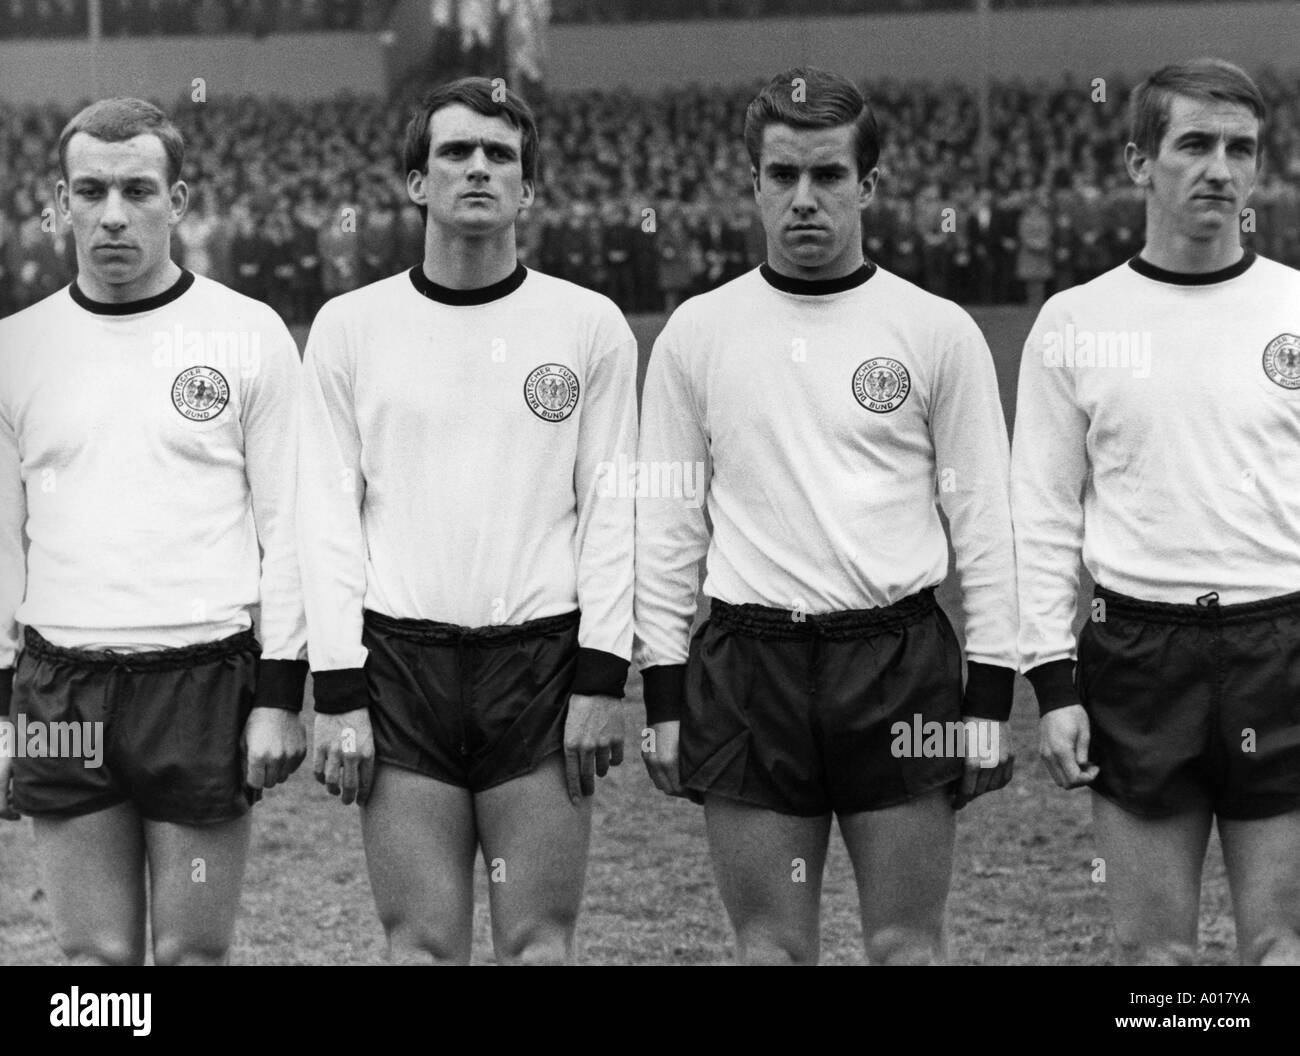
816	287
1193	278
482	295
145	304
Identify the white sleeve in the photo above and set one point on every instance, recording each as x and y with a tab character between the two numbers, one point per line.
330	492
1049	467
672	534
606	508
13	519
270	425
972	463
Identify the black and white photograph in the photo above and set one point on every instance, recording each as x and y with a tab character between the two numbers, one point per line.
651	482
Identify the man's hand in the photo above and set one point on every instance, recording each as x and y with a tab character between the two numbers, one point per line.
275	744
593	741
660	757
7	812
344	760
1063	745
985	772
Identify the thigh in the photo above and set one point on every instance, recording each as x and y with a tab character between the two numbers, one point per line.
769	872
535	843
1263	861
420	837
93	868
902	859
1153	879
195	876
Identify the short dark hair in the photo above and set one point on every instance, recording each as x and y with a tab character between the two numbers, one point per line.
827	100
481	96
120	119
1199	79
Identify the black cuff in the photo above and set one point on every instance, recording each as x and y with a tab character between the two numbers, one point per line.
599	674
279	684
989	692
336	692
1054	685
6	692
665	689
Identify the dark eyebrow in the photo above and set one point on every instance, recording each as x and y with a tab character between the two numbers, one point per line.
1197	135
142	180
470	144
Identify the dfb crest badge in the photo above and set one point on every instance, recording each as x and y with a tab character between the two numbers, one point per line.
881	385
551	391
200	393
1282	361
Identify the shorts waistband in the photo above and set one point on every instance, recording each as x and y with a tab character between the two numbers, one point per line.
762	621
1206	610
149	659
432	632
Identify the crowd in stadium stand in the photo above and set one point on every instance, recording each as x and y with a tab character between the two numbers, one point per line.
69	18
143	18
646	198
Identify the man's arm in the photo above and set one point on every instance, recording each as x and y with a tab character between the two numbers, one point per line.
1049	465
270	421
332	555
13	560
972	462
593	728
605	508
672	534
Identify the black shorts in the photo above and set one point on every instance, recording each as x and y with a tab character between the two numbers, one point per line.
171	722
798	716
469	706
1194	706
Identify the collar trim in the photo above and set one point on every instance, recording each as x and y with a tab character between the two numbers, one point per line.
1193	278
817	287
145	304
483	295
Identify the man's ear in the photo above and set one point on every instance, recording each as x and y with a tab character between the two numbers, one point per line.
63	199
180	200
415	187
753	176
1138	164
529	195
867	188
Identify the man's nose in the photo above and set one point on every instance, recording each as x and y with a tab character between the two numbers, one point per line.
478	165
114	215
1217	169
804	201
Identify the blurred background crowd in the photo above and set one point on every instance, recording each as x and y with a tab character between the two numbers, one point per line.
645	198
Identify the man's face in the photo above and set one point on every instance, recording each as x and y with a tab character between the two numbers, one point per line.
120	206
474	181
810	198
1205	169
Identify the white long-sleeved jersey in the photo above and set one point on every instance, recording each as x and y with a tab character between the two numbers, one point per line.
146	451
459	457
1157	431
818	423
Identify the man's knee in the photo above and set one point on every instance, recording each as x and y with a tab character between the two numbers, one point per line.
112	950
1276	946
1154	952
181	950
767	946
410	942
545	942
900	946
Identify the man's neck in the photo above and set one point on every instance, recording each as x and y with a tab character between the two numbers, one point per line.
1173	251
461	263
152	283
